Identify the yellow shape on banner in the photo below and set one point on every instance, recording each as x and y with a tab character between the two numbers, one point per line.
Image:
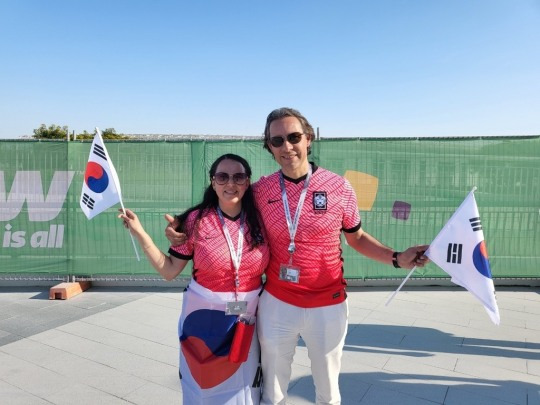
365	186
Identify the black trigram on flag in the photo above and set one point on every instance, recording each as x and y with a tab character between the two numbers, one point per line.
476	224
453	255
89	202
98	150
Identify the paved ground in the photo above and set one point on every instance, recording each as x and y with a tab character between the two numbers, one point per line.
113	345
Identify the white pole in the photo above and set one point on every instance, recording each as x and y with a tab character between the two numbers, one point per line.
399	288
132	240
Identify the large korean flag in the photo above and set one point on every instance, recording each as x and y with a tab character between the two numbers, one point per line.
101	187
459	250
206	335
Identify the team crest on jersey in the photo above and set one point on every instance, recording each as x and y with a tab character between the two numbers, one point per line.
319	200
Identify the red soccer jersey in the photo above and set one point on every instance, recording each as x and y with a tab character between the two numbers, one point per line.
329	208
212	264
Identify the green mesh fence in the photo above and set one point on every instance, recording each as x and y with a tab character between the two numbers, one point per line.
407	190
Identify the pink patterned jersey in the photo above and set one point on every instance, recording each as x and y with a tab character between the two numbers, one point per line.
212	264
329	208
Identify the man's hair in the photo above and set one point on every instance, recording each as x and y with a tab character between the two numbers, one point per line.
283	112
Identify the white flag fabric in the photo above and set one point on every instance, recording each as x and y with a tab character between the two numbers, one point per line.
459	250
101	187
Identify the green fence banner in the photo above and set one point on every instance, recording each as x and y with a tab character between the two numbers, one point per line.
407	189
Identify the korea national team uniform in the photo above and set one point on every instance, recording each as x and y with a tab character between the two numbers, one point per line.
304	294
205	329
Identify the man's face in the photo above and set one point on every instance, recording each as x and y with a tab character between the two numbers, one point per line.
291	157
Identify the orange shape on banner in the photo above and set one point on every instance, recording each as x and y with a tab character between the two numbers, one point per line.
365	186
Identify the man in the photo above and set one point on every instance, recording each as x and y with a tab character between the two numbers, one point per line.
304	209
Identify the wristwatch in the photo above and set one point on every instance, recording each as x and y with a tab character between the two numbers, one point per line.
394	260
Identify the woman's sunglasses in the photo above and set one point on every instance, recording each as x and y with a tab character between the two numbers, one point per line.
293	139
223	178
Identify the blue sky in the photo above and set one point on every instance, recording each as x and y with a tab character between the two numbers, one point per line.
377	68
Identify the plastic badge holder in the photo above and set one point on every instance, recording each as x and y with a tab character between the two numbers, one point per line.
245	327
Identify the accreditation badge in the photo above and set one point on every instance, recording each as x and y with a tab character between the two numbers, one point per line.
289	273
236	307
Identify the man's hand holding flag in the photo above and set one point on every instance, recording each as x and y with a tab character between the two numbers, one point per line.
459	249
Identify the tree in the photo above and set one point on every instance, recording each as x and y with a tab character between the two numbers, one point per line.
110	133
84	135
51	132
58	132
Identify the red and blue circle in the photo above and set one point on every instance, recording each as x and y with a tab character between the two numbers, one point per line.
96	177
481	260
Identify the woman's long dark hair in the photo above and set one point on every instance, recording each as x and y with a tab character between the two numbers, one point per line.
210	201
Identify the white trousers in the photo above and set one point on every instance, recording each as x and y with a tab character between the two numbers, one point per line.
323	330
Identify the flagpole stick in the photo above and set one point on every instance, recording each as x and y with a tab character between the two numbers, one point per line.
401	285
132	239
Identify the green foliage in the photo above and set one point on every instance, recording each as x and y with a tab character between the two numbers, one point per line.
58	132
83	135
51	132
110	133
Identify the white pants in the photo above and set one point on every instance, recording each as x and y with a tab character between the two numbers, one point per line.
323	330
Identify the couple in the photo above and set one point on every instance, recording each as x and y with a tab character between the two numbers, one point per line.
288	225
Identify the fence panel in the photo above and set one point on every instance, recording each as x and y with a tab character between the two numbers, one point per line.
407	189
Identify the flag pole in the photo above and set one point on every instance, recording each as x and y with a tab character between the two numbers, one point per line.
116	182
132	239
401	285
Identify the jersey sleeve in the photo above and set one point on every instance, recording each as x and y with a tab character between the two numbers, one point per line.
351	217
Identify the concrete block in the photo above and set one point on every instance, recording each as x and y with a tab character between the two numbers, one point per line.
64	291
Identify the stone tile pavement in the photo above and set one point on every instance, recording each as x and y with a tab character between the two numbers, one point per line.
118	345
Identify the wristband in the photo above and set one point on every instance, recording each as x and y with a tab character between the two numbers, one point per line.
394	260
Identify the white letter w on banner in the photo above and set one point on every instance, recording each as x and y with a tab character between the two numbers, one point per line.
27	186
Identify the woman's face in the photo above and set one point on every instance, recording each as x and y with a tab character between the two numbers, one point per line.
231	192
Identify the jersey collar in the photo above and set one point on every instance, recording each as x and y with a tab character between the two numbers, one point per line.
314	167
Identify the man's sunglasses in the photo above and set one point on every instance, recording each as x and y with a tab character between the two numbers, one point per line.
292	138
223	178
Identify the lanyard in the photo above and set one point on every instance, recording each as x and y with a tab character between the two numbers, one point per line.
293	225
235	256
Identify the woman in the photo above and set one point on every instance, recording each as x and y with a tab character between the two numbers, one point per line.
227	245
